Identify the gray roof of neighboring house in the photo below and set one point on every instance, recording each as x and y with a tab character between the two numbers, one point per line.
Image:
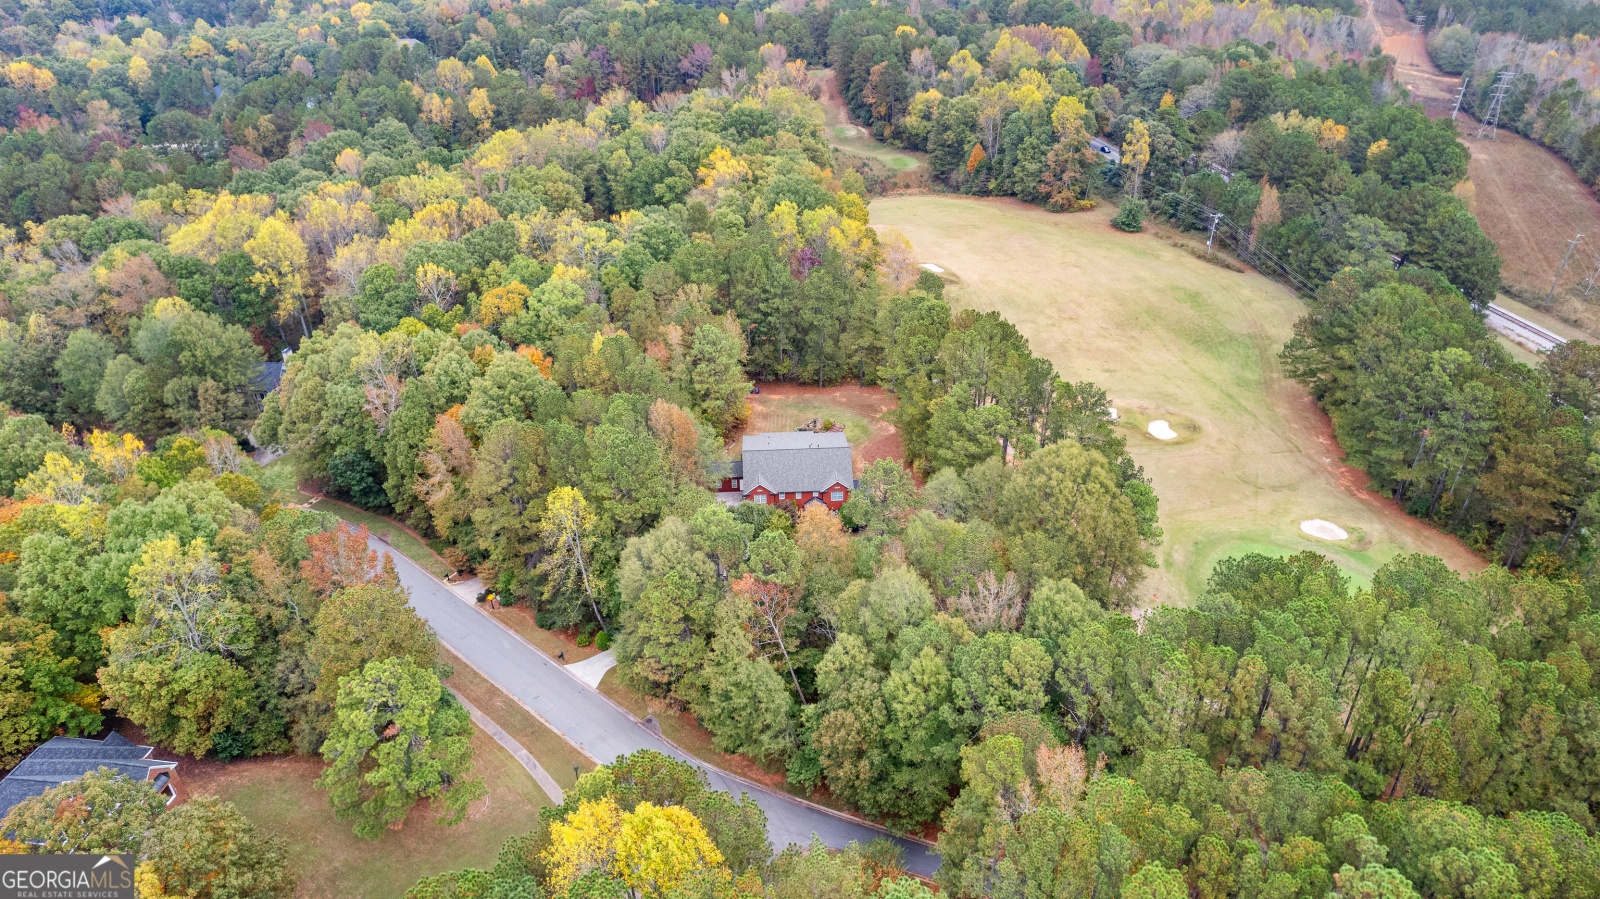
796	461
69	758
267	377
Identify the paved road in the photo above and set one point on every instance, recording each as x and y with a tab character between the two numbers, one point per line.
599	728
1520	330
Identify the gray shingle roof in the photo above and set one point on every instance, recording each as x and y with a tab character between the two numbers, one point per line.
796	461
267	377
69	758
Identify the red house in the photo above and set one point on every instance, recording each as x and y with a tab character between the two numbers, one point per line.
801	466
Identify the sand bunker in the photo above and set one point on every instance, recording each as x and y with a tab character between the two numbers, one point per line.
930	267
1326	530
1160	430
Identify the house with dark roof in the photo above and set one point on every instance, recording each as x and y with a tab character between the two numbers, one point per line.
803	467
69	758
267	377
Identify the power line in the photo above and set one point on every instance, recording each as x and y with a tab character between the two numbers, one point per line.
1460	95
1571	245
1491	122
1264	261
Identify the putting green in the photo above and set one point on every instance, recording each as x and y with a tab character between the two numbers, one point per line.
1174	338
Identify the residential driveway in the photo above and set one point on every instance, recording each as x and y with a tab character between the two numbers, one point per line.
603	730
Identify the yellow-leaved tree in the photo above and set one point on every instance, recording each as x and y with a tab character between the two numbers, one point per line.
499	304
662	847
453	75
723	169
1136	151
478	104
652	850
27	76
58	480
567	530
585	841
114	454
281	266
437	285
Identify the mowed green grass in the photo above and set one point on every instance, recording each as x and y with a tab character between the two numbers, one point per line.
326	856
1170	336
853	139
792	413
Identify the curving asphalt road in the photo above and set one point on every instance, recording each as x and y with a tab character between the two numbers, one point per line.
601	729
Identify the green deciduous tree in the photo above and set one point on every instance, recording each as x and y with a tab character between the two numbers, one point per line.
174	669
398	737
1064	517
38	695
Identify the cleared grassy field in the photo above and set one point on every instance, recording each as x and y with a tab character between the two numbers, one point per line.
1172	337
330	860
860	411
851	138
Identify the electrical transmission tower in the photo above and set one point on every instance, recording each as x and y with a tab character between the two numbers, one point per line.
1491	122
1460	95
1571	245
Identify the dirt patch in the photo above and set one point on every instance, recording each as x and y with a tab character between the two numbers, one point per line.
862	411
1309	422
1531	203
1414	70
1528	200
887	170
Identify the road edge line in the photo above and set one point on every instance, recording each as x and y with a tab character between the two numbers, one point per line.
763	788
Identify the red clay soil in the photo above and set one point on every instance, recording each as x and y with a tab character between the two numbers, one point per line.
1312	424
871	403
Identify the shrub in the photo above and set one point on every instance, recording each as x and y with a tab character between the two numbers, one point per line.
1131	216
1453	49
356	475
602	641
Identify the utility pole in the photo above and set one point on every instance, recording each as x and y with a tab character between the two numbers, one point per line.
1491	122
1571	245
1212	235
1588	283
1460	95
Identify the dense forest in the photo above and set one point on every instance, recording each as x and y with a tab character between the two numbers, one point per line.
1536	20
527	261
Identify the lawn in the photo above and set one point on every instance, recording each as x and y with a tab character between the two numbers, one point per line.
326	855
861	411
851	140
1170	336
550	748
